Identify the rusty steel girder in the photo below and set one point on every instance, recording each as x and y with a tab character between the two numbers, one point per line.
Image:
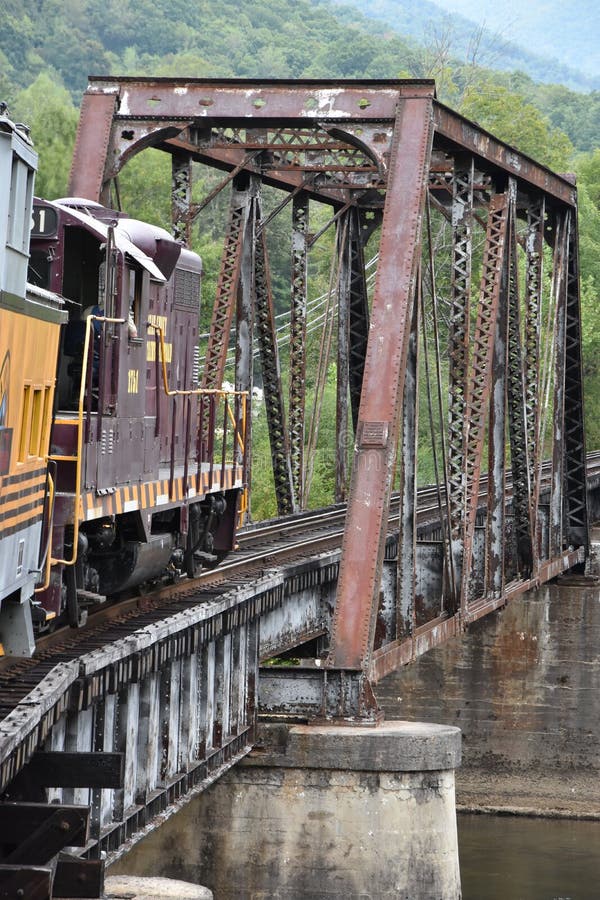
502	372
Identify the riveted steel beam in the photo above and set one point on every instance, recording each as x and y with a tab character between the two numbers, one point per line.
516	401
478	395
462	179
227	289
576	513
296	412
383	384
271	374
181	196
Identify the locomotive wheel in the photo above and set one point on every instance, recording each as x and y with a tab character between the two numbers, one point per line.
212	564
192	566
76	616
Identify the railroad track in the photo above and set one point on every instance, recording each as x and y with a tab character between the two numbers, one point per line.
262	547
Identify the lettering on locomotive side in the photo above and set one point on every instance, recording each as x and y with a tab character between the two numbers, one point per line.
160	322
133	381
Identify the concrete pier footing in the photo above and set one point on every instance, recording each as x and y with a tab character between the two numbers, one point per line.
322	813
131	887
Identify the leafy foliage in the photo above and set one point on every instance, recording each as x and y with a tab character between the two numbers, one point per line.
47	49
48	109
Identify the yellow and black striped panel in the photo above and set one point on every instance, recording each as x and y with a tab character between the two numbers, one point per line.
155	495
21	500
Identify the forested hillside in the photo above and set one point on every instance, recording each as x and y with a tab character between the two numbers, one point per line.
48	47
567	29
511	36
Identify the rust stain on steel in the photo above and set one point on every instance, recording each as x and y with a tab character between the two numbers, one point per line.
91	145
271	100
469	136
383	382
435	633
479	386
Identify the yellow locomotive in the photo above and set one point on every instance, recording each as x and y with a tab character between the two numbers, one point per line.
30	324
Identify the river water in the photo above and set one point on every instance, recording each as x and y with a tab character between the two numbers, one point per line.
516	858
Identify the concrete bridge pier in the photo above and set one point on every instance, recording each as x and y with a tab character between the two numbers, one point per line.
327	812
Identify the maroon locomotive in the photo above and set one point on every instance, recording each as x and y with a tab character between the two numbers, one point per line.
147	469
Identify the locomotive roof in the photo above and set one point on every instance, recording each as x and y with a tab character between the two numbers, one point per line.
8	126
46	298
152	240
100	229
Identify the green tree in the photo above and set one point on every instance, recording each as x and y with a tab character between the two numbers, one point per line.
46	107
508	116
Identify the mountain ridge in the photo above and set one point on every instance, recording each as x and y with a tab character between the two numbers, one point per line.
463	35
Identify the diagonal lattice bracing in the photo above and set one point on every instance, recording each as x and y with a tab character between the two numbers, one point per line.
296	412
534	272
559	288
478	392
269	358
458	349
516	401
576	517
225	300
359	312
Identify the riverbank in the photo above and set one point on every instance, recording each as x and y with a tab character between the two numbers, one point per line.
519	795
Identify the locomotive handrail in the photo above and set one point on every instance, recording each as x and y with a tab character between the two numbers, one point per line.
47	557
79	423
203	391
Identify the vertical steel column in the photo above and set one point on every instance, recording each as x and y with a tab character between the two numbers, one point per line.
493	270
226	298
385	366
534	250
271	373
406	559
86	178
296	411
244	354
458	353
576	515
359	311
148	741
517	414
181	196
558	461
104	739
343	357
496	488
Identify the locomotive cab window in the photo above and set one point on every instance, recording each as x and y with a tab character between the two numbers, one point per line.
82	285
38	272
136	311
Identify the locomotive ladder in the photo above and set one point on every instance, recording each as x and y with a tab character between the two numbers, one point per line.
77	597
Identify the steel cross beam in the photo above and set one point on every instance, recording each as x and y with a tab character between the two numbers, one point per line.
120	116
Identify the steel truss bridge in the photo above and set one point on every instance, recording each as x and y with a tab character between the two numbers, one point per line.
470	336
